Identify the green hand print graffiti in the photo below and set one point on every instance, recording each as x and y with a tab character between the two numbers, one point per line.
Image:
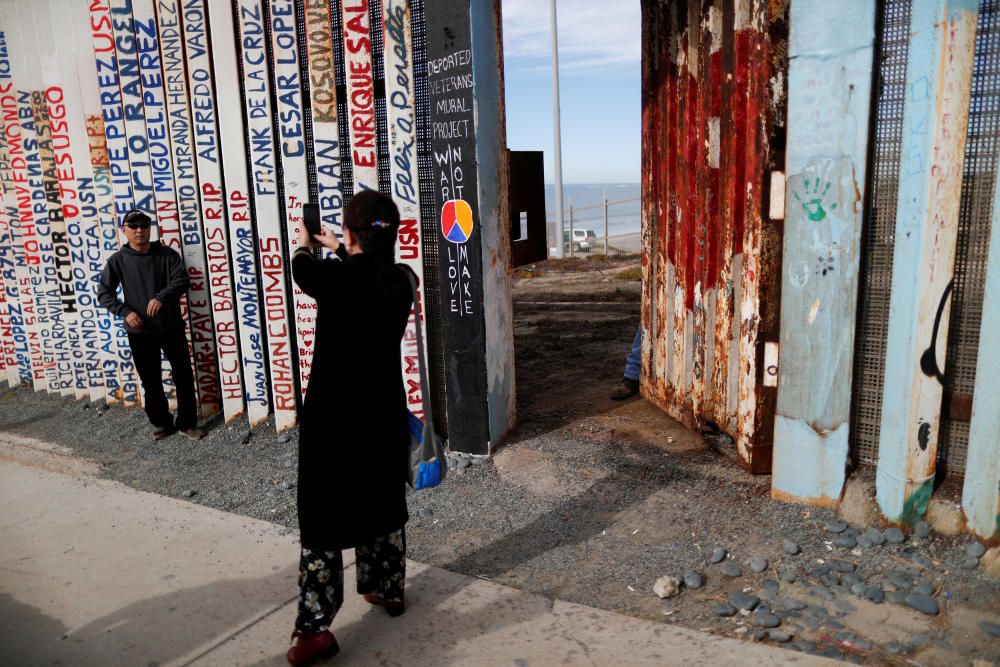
812	199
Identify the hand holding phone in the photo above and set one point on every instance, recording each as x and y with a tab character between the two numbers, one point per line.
310	218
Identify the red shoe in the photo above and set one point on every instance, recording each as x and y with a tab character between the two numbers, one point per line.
310	646
392	607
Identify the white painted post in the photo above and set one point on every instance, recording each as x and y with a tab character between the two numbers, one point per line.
829	84
980	498
935	119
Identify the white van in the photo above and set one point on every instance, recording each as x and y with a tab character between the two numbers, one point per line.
583	239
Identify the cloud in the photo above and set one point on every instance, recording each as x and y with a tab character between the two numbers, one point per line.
593	34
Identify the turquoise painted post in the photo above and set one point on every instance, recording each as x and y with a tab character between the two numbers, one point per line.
829	95
935	119
980	496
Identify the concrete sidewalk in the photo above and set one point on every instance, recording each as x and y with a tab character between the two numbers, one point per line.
95	573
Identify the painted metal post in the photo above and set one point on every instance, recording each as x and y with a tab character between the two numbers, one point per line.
605	222
829	95
570	230
557	131
935	119
980	497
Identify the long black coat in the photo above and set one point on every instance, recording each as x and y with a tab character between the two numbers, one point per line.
353	436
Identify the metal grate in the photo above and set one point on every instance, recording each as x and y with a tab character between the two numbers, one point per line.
975	215
429	221
879	228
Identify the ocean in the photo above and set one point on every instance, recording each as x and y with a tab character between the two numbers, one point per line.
623	218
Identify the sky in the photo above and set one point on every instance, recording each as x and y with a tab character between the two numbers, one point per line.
599	82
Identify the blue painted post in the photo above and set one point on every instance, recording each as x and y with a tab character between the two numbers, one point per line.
829	93
980	497
935	119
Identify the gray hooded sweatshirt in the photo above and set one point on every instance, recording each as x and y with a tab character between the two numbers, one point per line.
158	274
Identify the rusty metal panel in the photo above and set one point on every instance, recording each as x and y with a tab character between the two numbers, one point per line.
713	110
525	172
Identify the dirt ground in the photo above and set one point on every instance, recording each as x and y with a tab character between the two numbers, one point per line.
590	500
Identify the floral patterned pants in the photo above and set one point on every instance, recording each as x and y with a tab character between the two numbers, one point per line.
381	570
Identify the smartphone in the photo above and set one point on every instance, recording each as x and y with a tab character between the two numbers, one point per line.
310	217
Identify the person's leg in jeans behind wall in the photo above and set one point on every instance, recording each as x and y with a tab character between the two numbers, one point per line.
629	386
176	349
381	568
146	357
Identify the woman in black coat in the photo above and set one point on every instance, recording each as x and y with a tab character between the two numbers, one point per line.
353	436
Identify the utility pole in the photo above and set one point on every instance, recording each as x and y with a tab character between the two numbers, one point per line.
557	132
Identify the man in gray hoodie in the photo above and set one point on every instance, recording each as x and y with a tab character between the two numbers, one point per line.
153	278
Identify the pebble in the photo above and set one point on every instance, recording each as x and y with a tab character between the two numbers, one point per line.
923	561
791	548
841	565
788	577
862	644
724	610
900	581
830	579
284	437
990	628
479	460
189	493
894	647
875	535
831	623
975	550
718	555
758	564
850	579
289	463
835	526
844	636
667	587
771	585
731	569
922	529
757	635
864	542
694	579
779	636
805	645
924	588
858	589
288	485
464	463
894	535
896	597
970	563
767	620
842	590
923	603
875	594
425	513
742	600
845	541
795	605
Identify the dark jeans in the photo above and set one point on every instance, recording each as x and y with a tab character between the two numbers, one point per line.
146	356
381	570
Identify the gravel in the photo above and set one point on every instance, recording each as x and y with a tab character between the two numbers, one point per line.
790	548
923	603
975	550
694	580
835	526
731	569
894	535
742	600
725	610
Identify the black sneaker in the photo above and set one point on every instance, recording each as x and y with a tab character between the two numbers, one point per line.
627	388
160	432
